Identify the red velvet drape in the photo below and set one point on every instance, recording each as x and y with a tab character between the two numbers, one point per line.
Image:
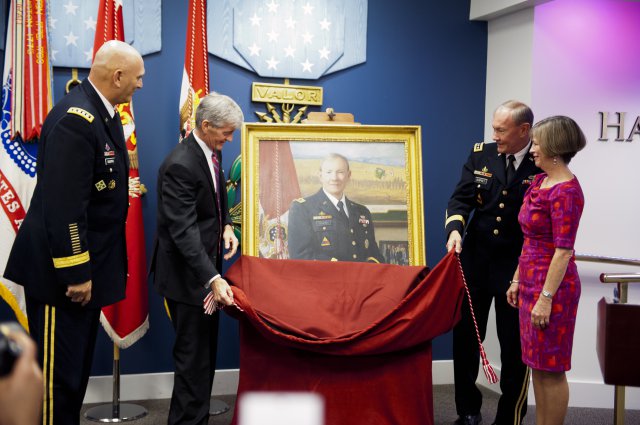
359	334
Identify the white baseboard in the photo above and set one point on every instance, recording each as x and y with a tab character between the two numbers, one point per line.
153	386
593	394
442	372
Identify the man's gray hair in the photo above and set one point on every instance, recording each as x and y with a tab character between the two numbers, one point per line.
334	155
520	112
219	110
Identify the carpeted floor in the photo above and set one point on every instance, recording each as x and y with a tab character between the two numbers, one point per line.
444	408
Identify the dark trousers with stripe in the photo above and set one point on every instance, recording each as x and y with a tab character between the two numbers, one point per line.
66	339
194	354
514	375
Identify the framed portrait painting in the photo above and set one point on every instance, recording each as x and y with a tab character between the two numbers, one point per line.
333	192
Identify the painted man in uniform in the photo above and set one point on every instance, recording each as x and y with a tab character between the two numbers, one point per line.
330	226
70	252
492	244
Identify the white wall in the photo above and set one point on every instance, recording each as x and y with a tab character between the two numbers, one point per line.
509	48
509	76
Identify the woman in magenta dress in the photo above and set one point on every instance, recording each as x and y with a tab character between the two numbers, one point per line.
546	286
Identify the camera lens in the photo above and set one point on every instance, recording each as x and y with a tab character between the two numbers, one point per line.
9	352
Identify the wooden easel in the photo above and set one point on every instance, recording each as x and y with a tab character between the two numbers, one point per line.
329	117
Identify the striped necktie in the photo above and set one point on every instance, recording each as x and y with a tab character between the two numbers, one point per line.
216	177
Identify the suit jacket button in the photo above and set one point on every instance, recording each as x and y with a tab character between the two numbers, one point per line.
353	243
501	205
496	232
355	256
504	192
498	219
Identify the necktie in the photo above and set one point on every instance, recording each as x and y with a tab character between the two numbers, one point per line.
343	213
216	188
511	168
116	125
216	178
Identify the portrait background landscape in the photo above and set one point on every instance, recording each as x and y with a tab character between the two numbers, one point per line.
281	164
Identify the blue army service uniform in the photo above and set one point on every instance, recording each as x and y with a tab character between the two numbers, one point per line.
492	244
74	231
318	231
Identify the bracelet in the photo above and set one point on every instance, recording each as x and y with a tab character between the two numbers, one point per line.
547	294
511	282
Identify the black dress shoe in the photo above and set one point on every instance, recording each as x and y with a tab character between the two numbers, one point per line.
469	420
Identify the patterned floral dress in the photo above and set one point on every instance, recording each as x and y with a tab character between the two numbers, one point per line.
549	218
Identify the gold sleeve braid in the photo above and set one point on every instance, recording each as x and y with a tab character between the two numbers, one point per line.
457	217
78	257
74	260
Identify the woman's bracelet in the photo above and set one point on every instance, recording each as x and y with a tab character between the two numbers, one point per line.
511	282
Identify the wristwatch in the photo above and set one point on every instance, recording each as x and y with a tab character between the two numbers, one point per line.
547	294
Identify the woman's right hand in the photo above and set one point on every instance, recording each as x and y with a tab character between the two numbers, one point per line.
512	295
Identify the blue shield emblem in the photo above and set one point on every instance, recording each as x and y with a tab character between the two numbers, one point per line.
289	38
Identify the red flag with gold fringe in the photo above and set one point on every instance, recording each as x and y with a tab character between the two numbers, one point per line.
195	74
128	320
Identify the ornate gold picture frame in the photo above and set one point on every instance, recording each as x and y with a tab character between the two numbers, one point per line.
383	192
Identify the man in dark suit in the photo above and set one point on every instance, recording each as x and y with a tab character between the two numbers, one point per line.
330	226
70	252
193	222
494	180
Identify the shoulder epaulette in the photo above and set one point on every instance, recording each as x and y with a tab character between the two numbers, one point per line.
478	147
81	112
300	200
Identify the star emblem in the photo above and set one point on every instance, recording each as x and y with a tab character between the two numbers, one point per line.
255	20
273	36
324	53
70	8
89	23
324	24
273	6
307	37
255	49
308	9
290	22
289	51
306	65
71	38
272	63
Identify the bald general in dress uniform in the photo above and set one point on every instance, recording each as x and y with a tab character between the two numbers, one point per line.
322	228
70	252
484	207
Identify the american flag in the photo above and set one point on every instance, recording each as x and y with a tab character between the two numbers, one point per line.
26	99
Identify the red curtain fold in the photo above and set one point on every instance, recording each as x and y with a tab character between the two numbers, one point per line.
359	334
